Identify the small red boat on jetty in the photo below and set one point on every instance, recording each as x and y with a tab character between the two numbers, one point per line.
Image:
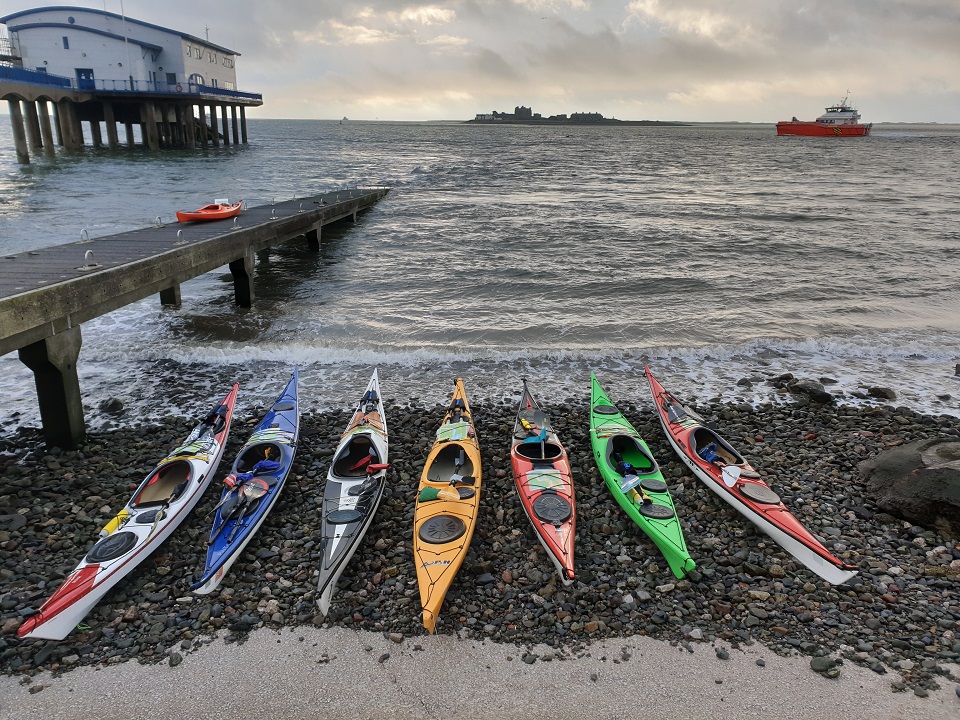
219	210
839	120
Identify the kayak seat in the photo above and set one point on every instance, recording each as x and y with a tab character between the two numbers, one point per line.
702	438
251	456
354	458
626	448
444	465
166	484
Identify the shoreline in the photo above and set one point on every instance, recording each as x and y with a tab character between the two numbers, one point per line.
341	673
900	615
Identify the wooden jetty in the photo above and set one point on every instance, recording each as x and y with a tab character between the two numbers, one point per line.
46	294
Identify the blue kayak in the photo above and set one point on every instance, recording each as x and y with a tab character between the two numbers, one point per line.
252	487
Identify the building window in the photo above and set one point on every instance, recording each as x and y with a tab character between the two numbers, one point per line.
41	69
66	43
172	78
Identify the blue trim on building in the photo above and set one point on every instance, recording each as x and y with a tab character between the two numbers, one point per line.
104	13
95	31
16	74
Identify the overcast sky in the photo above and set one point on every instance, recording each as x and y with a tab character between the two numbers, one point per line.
697	60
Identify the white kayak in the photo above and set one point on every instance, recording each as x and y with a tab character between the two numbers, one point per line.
354	488
159	505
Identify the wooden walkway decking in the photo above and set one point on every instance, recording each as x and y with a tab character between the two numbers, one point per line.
46	294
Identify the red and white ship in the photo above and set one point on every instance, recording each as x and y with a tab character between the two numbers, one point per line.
839	120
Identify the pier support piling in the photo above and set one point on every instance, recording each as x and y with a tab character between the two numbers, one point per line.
214	132
313	238
56	125
234	122
19	135
54	364
95	134
45	131
243	124
33	125
225	123
242	271
109	118
170	297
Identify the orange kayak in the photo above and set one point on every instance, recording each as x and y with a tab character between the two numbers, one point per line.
447	506
214	211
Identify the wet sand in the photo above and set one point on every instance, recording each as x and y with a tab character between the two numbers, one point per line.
310	672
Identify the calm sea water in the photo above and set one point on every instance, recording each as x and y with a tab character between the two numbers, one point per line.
712	253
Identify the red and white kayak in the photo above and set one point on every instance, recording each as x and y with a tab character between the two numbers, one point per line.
541	470
724	470
214	211
159	505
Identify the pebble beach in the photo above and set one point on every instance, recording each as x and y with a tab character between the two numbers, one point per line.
897	619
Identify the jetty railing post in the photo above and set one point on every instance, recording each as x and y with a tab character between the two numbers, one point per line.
243	124
109	118
33	125
45	131
54	364
19	134
242	271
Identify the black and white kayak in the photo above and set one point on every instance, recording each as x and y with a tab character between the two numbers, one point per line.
355	485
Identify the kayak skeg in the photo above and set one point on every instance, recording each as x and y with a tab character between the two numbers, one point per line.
355	484
158	506
634	479
541	473
447	505
252	487
722	469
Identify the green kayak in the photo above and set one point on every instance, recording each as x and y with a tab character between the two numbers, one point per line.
631	473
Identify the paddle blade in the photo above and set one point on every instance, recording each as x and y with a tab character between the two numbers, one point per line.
730	475
256	488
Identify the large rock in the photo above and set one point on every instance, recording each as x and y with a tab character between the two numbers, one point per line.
919	482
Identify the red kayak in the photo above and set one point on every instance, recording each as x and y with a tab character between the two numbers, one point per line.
723	469
214	211
541	470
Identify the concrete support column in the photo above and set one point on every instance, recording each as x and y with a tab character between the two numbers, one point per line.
213	126
33	125
243	124
143	133
226	129
113	142
170	296
19	135
56	124
149	114
54	364
190	128
45	132
313	238
242	271
202	118
169	129
95	134
128	128
72	132
234	122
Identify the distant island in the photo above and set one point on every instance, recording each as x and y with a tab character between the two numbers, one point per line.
525	116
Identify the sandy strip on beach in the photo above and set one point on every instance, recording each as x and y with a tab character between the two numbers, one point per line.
329	673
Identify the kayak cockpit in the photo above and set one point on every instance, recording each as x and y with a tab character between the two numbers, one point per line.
450	461
539	451
709	446
356	457
164	485
626	449
252	459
